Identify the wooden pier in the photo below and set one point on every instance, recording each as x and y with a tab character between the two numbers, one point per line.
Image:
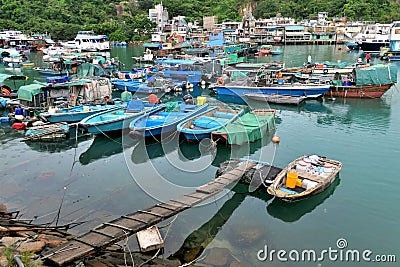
116	230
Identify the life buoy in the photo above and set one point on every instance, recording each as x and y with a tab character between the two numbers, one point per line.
325	71
5	91
220	81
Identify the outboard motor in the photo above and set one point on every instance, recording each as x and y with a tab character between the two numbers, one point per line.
188	99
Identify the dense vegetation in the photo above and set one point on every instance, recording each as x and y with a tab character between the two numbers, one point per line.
63	18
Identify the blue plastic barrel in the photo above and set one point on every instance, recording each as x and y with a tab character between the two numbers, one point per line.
20	111
346	83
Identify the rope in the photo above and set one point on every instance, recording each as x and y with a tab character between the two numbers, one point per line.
199	258
126	245
152	258
70	175
173	133
168	224
108	137
273	157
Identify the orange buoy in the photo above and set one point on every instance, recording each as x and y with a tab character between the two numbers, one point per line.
276	138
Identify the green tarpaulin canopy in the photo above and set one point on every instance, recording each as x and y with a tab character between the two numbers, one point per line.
377	74
27	92
4	77
248	128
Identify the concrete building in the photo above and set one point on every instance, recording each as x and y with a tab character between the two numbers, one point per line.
159	15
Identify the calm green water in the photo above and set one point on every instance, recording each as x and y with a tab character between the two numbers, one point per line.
100	178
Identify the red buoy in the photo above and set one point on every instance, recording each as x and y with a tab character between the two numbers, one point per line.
276	138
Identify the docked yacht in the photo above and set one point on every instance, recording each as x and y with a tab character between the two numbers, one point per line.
374	38
12	38
88	41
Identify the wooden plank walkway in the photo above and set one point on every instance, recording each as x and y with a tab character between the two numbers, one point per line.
116	230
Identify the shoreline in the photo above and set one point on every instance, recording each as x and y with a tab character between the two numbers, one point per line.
23	244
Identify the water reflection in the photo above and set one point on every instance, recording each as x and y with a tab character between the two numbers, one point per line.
185	151
361	113
7	134
148	149
56	146
105	146
291	212
198	240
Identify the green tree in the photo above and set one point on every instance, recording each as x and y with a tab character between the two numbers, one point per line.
118	35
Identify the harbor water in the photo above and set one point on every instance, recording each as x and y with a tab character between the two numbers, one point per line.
91	180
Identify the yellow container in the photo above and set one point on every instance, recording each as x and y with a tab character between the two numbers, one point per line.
201	100
292	180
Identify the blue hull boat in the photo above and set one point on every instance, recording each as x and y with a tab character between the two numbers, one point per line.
308	90
201	126
163	121
118	119
76	114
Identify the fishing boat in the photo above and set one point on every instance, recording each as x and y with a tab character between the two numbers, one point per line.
277	99
264	50
370	82
164	120
359	91
250	127
75	114
306	176
268	81
116	119
373	45
295	89
201	126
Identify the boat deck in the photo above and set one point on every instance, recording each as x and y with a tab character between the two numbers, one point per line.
309	176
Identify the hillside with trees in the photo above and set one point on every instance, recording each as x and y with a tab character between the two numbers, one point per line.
127	21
